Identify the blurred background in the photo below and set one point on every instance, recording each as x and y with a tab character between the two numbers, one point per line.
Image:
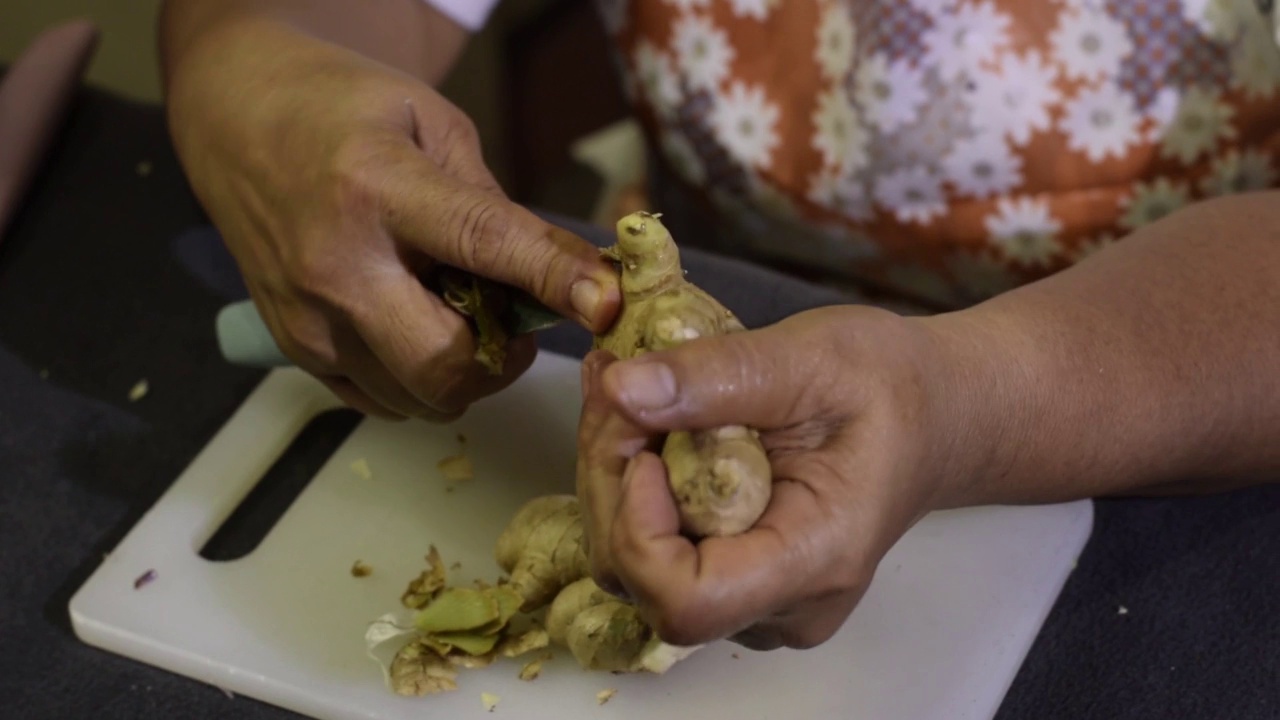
537	81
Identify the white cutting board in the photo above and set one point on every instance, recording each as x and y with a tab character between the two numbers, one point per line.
940	634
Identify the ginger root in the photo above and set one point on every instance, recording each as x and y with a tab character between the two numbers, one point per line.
721	478
542	549
601	631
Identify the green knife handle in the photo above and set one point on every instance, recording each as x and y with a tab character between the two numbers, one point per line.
243	338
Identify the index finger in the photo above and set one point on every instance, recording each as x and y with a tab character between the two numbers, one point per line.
486	234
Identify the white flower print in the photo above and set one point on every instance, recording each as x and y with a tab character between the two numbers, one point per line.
1255	63
889	93
1025	231
913	194
982	166
657	77
745	122
1161	113
933	7
1091	246
980	276
838	133
964	38
687	5
755	9
1239	172
1017	98
943	119
1152	201
836	39
681	156
703	51
1101	122
1203	121
842	193
1090	43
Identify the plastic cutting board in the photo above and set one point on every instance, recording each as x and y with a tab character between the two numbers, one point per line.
940	635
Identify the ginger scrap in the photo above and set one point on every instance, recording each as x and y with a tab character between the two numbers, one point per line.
489	701
418	671
427	585
605	696
473	662
139	390
361	469
533	668
359	569
458	609
516	645
457	468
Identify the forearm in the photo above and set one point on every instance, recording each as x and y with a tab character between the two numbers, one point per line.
1153	367
409	35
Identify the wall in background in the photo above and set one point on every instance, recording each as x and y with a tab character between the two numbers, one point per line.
126	58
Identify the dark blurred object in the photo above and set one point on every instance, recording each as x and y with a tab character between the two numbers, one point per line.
35	95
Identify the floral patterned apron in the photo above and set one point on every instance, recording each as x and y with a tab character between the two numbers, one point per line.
951	149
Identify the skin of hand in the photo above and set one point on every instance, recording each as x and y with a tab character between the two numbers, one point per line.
1152	368
854	431
337	181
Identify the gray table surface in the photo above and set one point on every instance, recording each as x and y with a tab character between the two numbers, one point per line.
108	277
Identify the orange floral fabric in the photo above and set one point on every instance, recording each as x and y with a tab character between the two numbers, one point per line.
952	149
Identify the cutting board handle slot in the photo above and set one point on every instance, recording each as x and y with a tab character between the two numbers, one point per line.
248	524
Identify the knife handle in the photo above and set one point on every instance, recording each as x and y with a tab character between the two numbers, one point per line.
243	338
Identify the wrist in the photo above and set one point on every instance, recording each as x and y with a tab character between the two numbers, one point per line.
982	404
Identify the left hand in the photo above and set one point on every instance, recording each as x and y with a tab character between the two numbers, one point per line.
860	437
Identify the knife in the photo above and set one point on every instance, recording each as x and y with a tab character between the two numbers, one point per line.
244	339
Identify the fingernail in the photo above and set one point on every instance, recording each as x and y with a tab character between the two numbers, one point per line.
647	385
585	298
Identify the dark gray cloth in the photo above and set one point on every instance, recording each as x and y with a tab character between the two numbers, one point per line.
109	277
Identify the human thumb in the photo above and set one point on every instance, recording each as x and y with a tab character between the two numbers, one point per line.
746	378
486	234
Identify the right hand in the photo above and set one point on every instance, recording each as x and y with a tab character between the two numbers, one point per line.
336	181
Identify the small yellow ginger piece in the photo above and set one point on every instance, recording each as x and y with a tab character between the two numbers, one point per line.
359	569
418	671
427	585
473	662
470	643
533	668
459	609
489	701
605	696
457	468
528	641
139	390
361	469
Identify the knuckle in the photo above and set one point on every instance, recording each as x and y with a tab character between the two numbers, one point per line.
481	230
306	339
355	177
458	130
